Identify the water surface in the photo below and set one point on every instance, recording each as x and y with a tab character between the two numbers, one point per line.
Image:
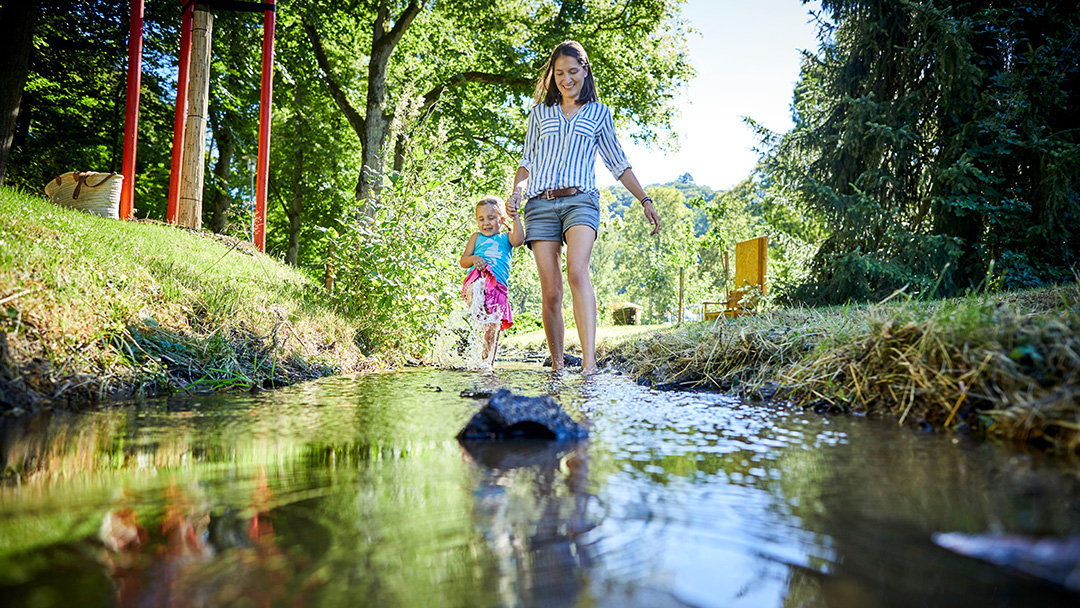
354	492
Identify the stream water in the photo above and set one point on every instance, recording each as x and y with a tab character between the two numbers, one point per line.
354	492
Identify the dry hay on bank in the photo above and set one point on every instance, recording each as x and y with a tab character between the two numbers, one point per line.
744	354
1011	364
1008	363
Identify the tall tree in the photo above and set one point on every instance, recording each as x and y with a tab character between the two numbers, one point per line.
17	19
926	133
476	62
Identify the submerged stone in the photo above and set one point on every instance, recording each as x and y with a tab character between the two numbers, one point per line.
510	416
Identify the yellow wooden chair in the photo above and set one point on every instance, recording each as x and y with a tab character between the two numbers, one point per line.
751	264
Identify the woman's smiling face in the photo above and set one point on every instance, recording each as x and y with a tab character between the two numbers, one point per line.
569	75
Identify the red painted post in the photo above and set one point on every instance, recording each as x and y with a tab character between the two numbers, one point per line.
181	114
131	121
262	172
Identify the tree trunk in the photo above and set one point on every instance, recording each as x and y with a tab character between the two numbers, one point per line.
296	207
378	120
189	213
226	146
373	128
18	20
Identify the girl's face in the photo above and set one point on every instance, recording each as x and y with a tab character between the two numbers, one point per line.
488	220
569	75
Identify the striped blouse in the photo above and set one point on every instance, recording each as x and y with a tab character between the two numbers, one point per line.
561	152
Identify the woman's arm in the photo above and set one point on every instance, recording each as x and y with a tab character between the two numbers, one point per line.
468	259
629	180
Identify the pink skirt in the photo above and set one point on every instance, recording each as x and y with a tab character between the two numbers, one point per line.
495	295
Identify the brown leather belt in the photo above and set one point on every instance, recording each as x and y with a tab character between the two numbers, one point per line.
551	193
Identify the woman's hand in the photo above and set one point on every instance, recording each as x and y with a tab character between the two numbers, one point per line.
650	214
513	202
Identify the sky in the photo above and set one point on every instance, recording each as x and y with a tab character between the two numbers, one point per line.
746	54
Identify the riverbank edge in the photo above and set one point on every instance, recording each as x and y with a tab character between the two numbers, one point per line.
93	310
1006	364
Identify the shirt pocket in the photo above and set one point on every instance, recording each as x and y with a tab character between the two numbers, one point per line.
549	126
585	127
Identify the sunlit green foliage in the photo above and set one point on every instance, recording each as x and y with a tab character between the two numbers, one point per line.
72	113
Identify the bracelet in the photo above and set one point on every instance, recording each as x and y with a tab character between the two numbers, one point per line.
647	199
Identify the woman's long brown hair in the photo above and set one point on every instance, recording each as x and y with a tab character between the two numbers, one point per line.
547	90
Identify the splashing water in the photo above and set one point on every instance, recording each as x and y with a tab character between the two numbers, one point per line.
460	342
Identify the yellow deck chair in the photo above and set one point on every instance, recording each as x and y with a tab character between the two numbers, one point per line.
751	264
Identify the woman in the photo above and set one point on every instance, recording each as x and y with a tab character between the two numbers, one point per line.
567	127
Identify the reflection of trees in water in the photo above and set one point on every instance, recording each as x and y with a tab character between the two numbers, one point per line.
195	558
875	500
532	503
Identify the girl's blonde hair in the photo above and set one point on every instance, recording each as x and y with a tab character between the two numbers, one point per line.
500	206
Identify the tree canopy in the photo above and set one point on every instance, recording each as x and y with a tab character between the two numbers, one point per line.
939	143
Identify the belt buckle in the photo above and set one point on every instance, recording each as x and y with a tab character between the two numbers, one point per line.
548	194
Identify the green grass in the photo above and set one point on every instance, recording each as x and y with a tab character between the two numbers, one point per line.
93	306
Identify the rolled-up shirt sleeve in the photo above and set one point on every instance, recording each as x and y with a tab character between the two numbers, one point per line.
532	134
608	143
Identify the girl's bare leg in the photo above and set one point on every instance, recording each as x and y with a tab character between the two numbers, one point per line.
491	342
579	246
548	256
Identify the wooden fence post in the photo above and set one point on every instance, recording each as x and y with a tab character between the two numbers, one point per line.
682	272
189	212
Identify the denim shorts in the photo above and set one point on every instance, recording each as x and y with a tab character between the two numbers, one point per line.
548	220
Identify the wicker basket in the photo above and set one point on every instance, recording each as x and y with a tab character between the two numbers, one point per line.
89	191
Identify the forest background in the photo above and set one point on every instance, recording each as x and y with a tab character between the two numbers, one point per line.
935	146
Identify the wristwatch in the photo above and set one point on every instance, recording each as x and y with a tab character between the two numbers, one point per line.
647	199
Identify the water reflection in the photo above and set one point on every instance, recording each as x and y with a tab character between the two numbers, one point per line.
197	557
531	504
353	491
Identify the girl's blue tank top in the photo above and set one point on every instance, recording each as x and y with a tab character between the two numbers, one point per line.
497	252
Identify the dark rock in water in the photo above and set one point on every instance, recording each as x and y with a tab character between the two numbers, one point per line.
568	360
475	393
1056	560
510	416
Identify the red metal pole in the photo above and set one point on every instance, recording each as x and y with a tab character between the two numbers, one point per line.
262	174
131	121
181	114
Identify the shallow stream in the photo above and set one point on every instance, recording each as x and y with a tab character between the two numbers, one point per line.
354	492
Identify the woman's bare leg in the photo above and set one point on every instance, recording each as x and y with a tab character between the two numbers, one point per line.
579	246
548	256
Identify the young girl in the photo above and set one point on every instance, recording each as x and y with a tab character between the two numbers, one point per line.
488	254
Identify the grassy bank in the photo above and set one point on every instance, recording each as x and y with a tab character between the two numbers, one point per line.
91	307
1007	363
